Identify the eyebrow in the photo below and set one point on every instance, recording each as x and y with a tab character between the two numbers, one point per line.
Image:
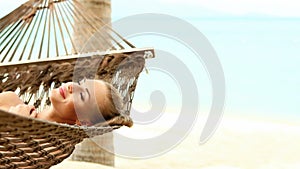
88	92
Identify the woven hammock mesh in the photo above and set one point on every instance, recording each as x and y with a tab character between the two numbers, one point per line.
33	143
38	52
45	28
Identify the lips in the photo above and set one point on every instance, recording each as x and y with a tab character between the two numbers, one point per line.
62	92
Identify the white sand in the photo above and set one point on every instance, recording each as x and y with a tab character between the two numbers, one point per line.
237	144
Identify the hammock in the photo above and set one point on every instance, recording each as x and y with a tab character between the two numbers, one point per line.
28	37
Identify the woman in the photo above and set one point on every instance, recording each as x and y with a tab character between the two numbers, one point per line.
86	103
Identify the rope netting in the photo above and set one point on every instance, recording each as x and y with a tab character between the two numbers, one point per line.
51	28
34	143
42	46
33	81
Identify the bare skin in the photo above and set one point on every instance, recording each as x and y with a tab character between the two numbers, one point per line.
70	102
10	102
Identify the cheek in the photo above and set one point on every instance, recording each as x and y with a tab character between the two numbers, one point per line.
65	106
80	109
65	109
68	108
84	111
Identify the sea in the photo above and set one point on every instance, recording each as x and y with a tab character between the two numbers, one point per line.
259	58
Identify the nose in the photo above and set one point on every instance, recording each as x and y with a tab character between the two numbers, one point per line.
73	87
70	87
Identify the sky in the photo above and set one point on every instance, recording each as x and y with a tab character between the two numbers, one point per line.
259	50
273	8
212	8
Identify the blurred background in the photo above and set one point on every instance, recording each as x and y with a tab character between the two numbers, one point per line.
258	45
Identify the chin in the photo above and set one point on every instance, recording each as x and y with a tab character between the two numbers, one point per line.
53	93
54	96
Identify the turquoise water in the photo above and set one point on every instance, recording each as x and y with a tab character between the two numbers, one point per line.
261	59
260	54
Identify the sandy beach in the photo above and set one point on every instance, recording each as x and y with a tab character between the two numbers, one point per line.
237	57
237	144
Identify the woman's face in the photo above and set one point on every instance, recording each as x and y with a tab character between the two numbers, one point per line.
74	101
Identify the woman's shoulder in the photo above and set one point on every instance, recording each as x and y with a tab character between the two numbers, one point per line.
8	99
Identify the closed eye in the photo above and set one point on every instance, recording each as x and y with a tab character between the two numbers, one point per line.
81	96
